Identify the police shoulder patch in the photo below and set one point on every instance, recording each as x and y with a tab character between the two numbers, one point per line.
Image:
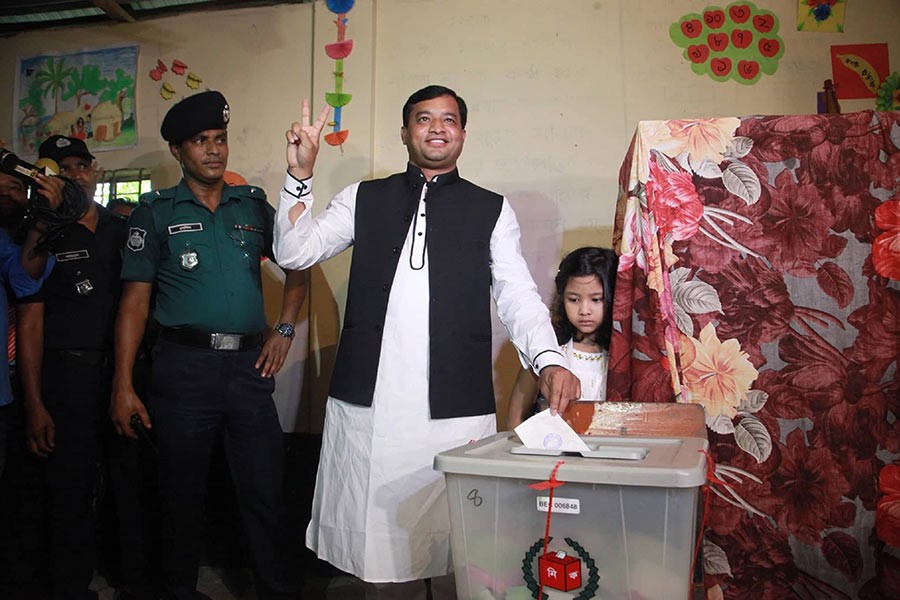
136	237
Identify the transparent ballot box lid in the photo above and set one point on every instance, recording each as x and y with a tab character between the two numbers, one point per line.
676	462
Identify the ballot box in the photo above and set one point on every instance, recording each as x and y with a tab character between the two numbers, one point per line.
623	523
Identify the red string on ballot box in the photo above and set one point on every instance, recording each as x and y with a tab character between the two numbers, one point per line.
551	484
711	478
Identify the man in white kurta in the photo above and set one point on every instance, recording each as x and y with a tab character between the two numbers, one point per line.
380	509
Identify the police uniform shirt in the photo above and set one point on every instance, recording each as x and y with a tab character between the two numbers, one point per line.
205	264
81	294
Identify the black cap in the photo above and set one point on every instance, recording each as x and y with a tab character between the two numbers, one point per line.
206	110
58	147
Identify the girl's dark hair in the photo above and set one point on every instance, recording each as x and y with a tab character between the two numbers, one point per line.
601	262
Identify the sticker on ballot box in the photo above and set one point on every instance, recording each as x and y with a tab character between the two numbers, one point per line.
570	506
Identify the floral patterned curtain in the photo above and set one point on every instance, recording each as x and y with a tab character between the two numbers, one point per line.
758	277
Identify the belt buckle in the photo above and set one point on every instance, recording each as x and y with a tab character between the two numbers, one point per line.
225	341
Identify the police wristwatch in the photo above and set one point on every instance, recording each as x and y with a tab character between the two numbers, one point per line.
285	330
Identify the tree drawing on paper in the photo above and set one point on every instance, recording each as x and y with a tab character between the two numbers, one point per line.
51	79
89	95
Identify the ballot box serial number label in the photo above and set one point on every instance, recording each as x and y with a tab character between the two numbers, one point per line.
571	506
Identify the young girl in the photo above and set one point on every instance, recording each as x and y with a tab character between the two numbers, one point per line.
581	314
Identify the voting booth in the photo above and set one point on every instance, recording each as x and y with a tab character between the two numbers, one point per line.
623	523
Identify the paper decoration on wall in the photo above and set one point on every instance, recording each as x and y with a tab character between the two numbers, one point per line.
859	69
338	50
157	72
193	81
889	93
166	89
821	15
738	42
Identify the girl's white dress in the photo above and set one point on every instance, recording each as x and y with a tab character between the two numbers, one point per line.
590	368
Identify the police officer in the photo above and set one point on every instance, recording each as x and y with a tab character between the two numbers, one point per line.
65	345
200	243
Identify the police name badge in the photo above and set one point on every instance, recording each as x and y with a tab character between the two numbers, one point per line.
136	237
189	260
84	287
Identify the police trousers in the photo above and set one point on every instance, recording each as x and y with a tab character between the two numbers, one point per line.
198	393
75	391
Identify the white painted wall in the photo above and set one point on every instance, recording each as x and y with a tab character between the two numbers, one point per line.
555	90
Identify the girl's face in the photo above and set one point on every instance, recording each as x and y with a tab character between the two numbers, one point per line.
583	299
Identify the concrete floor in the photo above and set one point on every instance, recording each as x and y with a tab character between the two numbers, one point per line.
224	578
236	584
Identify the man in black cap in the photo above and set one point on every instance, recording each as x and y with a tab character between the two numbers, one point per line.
122	558
200	243
65	344
74	159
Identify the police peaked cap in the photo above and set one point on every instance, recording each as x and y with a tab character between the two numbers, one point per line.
58	147
206	110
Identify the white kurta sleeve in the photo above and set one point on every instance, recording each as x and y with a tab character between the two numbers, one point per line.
523	314
312	239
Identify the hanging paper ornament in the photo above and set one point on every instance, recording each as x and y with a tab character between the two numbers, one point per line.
339	6
338	50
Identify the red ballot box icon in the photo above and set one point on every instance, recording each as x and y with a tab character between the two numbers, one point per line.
560	571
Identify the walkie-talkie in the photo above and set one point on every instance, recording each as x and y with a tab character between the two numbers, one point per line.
138	427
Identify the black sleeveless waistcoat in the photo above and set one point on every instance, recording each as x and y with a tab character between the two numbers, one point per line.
460	221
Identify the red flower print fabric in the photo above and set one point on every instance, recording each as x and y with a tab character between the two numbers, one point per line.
760	278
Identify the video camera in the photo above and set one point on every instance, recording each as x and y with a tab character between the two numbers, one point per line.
12	164
74	202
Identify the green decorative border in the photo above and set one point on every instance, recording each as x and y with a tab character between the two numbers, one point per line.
593	580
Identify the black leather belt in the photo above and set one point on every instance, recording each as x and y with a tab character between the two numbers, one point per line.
211	340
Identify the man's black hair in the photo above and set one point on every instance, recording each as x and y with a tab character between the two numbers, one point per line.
116	202
430	93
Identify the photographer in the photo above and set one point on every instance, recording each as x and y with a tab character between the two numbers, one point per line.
22	270
64	359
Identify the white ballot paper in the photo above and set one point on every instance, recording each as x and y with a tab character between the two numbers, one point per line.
550	432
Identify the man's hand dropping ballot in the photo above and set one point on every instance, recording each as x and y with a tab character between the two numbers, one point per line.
544	431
